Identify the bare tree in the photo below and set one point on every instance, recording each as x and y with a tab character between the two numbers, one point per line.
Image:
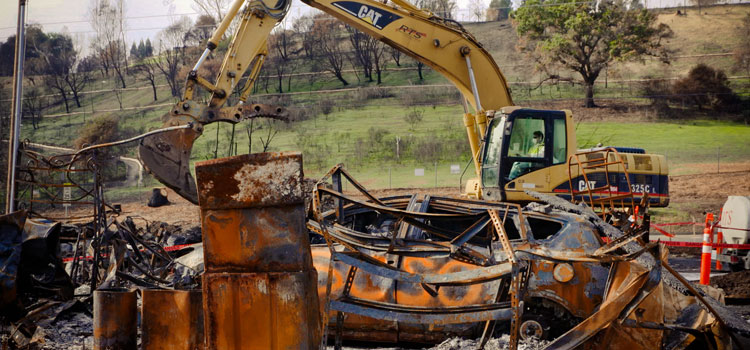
303	26
170	53
362	45
118	94
213	8
147	69
278	68
442	8
107	17
77	80
478	9
420	65
281	41
201	31
292	66
79	75
33	105
326	36
395	55
272	131
378	58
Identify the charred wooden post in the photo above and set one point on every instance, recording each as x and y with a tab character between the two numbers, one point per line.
259	285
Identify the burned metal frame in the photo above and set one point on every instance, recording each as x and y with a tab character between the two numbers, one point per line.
354	246
629	269
80	172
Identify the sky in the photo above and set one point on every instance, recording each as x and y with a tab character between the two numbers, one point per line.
146	17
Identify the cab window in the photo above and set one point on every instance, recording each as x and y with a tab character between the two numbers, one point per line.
491	161
526	147
559	141
527	138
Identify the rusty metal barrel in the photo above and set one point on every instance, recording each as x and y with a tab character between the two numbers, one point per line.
259	285
171	319
115	319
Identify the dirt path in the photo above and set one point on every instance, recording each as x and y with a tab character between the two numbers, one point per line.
694	193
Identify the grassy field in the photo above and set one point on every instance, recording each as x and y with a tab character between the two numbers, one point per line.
362	132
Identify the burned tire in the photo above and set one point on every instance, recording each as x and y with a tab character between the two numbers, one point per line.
534	326
545	320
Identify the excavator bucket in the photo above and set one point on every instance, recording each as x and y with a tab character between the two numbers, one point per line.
167	155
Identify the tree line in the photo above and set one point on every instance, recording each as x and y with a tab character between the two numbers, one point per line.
581	37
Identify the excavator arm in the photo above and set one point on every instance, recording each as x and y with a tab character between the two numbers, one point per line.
167	155
442	44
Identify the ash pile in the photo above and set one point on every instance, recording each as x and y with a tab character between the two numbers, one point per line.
49	270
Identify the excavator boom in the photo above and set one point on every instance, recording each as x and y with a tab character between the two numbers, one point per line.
442	44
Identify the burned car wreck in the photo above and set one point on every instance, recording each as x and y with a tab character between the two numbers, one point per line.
421	268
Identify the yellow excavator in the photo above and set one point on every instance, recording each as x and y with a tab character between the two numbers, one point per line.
513	149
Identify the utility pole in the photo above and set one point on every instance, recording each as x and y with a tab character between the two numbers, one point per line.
15	120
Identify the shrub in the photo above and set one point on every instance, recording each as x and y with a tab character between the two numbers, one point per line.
658	92
428	149
102	129
414	117
705	87
431	96
326	106
98	130
372	93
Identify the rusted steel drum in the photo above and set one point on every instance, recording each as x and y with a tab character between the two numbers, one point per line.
115	320
267	310
171	320
260	286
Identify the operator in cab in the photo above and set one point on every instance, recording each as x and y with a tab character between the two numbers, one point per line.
536	150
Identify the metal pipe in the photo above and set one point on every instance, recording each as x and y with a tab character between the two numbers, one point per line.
203	58
474	89
15	122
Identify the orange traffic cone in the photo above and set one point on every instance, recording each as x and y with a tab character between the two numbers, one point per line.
706	251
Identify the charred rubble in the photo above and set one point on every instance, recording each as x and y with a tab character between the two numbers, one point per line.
403	269
48	272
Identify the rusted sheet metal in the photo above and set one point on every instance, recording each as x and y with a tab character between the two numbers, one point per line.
580	295
419	270
115	320
416	315
256	239
251	180
261	311
171	320
419	305
631	284
365	286
259	285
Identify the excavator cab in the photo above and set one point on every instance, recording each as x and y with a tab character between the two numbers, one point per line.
521	148
528	149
